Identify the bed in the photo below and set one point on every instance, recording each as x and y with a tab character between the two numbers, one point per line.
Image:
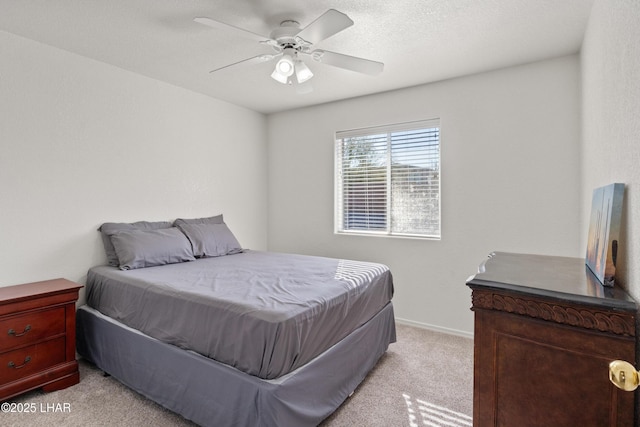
228	336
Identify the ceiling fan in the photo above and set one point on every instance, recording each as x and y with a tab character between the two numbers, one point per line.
292	44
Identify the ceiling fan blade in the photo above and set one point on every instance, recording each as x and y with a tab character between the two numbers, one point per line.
348	62
254	60
328	24
221	25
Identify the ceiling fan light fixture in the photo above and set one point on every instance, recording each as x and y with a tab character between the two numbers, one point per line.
303	73
285	66
279	77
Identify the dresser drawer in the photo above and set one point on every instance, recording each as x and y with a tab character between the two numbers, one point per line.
25	329
31	360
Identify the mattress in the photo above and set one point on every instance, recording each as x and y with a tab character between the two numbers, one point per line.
263	313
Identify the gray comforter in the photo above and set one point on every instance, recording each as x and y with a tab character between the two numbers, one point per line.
264	313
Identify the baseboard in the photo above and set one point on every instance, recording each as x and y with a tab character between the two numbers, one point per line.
436	328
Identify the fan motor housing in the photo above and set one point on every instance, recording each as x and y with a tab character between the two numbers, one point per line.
285	33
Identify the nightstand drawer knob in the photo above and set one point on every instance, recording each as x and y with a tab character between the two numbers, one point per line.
14	366
623	375
15	334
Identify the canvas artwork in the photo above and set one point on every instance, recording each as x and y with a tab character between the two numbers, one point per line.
604	231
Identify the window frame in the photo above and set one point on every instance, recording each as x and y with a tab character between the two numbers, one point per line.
339	213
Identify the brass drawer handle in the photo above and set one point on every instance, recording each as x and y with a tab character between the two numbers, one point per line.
623	375
26	329
14	366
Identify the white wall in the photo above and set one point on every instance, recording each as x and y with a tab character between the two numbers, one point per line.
510	180
610	61
82	142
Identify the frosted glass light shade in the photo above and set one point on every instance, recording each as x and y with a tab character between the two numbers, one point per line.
303	73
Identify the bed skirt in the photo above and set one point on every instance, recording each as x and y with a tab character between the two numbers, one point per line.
214	394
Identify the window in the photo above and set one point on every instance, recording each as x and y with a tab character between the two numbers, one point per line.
388	180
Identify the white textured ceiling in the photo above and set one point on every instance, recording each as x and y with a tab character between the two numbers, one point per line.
419	41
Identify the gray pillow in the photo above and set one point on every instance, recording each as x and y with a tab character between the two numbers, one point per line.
210	240
217	219
140	248
110	228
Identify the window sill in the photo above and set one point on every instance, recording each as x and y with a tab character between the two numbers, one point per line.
388	235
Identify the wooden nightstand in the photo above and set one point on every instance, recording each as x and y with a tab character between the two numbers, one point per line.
38	337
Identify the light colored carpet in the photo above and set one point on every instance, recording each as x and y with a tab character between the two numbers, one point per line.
423	368
426	378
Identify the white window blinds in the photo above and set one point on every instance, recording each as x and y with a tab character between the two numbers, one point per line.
388	180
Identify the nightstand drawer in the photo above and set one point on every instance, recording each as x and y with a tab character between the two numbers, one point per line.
31	360
24	329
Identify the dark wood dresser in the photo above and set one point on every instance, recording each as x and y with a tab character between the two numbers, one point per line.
545	332
38	337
